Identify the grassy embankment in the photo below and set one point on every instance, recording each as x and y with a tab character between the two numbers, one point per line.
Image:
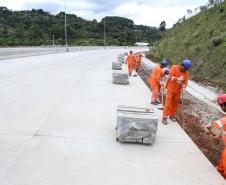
202	40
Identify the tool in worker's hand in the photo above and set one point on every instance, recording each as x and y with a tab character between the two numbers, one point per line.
182	90
162	85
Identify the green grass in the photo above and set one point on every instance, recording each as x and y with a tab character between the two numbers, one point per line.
200	39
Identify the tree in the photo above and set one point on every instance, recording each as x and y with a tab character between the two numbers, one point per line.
162	26
35	32
189	12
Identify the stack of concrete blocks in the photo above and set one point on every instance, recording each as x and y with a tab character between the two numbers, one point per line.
120	77
117	65
121	58
125	54
136	124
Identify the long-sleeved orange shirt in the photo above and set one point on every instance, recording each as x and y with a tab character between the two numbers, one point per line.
173	84
155	76
221	124
139	58
131	58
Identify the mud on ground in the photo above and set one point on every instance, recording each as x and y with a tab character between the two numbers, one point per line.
196	115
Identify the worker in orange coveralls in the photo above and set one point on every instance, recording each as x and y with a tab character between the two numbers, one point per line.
130	59
155	80
139	58
221	125
175	85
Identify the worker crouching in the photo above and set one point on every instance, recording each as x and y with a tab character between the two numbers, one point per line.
175	85
221	125
155	81
139	58
131	59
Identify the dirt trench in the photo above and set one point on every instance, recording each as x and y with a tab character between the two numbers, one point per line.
196	115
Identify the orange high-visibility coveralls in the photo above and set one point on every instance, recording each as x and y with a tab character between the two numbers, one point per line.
221	124
154	80
173	86
163	74
139	58
130	59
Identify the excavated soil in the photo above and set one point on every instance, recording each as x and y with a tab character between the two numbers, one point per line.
196	115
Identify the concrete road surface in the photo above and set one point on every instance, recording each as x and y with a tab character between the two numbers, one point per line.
57	127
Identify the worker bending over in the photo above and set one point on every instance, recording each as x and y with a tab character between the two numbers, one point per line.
221	125
155	80
176	83
165	71
139	58
130	59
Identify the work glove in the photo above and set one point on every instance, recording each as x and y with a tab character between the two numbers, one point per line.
182	90
217	136
181	78
208	127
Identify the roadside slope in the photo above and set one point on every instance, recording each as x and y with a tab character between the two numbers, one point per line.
201	39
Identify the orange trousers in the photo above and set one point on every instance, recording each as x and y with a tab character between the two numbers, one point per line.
130	66
138	65
171	104
221	168
159	89
154	94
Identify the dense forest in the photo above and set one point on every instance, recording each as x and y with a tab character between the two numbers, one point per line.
37	27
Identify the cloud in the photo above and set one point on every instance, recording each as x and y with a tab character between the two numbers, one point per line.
146	12
48	7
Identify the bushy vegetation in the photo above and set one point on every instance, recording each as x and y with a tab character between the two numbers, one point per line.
202	40
37	27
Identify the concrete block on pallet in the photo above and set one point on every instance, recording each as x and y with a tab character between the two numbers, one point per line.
120	77
138	123
125	54
117	65
121	60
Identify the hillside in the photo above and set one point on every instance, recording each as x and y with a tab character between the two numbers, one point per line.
37	27
202	40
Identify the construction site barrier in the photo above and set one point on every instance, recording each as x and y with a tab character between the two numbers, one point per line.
8	53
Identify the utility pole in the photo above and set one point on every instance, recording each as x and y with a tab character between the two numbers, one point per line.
136	35
53	40
140	35
125	37
65	26
104	34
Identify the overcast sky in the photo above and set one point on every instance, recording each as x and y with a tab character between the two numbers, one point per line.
145	12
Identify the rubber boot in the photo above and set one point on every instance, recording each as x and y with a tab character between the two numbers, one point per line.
164	121
173	119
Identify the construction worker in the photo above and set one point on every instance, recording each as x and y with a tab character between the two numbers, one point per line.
175	85
139	58
130	59
165	71
155	80
221	125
